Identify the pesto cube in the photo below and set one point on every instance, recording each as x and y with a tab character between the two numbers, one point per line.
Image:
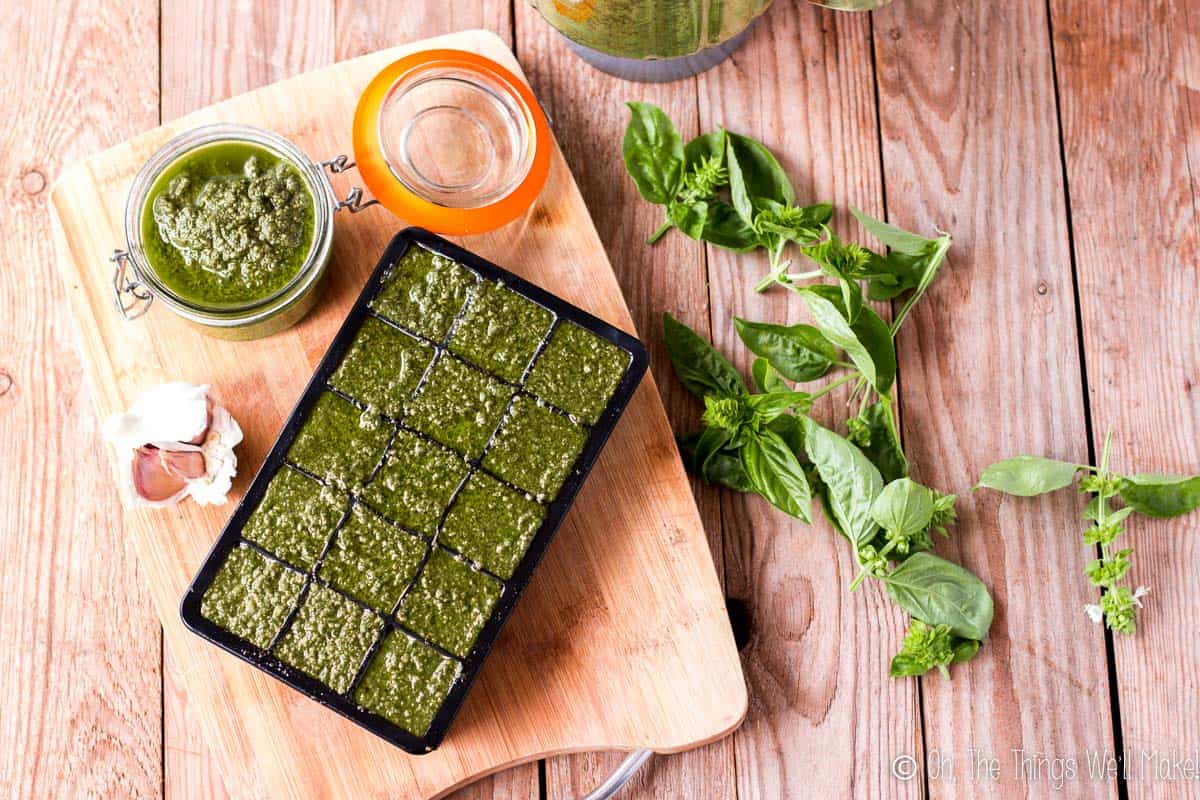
296	517
449	604
491	524
578	372
500	330
459	406
251	596
416	482
372	560
406	682
383	367
424	292
329	638
338	443
535	448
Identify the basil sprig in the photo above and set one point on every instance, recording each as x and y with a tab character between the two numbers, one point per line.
1151	495
764	442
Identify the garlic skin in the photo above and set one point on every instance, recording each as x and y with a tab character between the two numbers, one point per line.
173	418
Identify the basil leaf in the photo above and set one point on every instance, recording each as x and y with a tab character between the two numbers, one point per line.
895	238
754	175
766	377
721	466
653	153
1027	476
690	218
938	592
965	650
798	352
767	407
883	450
791	429
895	274
1161	495
904	507
868	342
724	228
852	482
708	145
699	366
776	474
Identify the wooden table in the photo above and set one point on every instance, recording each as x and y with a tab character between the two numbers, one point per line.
1056	140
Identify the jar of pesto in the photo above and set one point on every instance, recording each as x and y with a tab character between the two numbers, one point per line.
229	226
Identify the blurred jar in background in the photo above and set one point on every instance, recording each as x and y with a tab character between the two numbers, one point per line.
661	40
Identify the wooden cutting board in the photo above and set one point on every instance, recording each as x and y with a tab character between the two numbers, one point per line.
620	642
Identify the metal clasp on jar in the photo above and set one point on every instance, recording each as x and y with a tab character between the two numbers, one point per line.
132	297
353	201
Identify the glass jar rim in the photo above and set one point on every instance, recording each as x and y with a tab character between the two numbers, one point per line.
204	136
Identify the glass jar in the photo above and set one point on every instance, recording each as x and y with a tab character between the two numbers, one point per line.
652	40
137	281
451	141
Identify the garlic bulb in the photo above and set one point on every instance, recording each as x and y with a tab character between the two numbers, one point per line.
175	442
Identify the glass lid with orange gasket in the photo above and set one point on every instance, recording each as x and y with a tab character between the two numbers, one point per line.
451	141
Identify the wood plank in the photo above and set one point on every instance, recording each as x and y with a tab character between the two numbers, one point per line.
1129	88
364	26
80	685
239	47
818	655
589	116
598	654
990	366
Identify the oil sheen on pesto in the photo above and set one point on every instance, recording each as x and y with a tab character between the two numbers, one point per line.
228	224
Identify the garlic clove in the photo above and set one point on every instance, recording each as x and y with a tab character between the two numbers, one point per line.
151	480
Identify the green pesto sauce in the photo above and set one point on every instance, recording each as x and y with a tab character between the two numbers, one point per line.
329	638
459	406
383	367
406	682
251	596
500	331
491	524
228	223
578	372
371	560
535	448
449	604
416	482
296	517
339	443
423	292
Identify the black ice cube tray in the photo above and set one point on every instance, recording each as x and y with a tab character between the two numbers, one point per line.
511	588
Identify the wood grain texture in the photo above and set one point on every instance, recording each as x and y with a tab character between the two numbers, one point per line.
589	114
79	679
1129	88
232	49
990	368
818	655
621	661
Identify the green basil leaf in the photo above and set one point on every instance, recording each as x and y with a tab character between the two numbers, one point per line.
721	466
895	274
791	429
653	153
766	377
906	666
754	175
724	228
884	450
699	366
903	507
777	475
690	218
1091	512
895	238
1027	476
965	650
868	342
1161	495
938	592
770	405
708	145
852	482
798	352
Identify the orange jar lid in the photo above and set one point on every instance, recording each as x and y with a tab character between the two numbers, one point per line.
451	141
